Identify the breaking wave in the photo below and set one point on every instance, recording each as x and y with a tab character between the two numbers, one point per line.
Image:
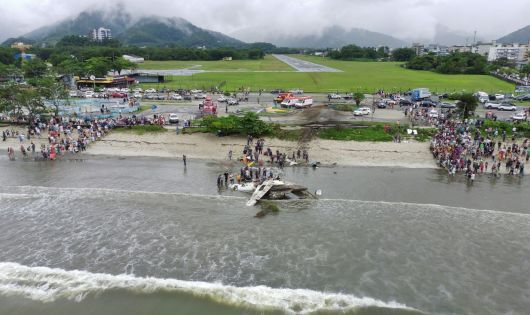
49	284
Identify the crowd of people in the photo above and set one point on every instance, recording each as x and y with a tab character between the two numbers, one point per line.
260	162
423	116
465	146
63	135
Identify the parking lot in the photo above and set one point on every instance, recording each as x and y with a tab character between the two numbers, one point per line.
187	107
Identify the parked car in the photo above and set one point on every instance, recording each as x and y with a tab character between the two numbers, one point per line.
199	96
304	102
173	119
492	105
433	113
389	102
297	91
499	96
175	97
89	94
427	103
137	95
348	96
222	99
521	116
447	105
232	101
523	98
150	91
508	107
119	94
289	102
362	111
405	102
73	94
381	104
334	96
187	97
196	91
160	97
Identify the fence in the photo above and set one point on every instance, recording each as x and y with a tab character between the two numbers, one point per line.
93	106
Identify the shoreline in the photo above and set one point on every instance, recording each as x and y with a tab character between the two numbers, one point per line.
210	148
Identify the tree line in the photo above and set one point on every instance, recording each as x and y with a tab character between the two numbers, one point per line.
454	63
354	52
83	48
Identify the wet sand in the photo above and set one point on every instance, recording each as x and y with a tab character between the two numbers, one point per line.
210	147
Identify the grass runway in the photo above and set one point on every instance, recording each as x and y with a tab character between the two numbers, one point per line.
356	76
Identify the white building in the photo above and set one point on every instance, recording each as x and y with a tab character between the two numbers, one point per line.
419	49
135	59
514	52
460	49
438	50
99	34
482	49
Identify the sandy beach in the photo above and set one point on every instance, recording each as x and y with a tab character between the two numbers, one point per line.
210	147
207	146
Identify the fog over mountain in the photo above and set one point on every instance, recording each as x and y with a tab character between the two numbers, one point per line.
256	20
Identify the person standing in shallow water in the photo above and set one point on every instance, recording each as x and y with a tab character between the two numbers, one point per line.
184	160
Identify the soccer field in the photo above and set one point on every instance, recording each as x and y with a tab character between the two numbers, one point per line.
356	76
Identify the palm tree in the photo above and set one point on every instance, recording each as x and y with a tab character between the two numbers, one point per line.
467	103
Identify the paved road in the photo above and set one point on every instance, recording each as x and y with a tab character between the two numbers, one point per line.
304	66
175	72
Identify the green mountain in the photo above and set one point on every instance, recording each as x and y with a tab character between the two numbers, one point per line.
82	25
521	36
145	31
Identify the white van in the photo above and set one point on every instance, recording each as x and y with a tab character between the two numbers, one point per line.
289	102
483	97
304	102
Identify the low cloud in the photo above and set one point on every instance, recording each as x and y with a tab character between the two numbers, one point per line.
256	20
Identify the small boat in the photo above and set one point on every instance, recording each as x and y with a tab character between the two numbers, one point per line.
243	187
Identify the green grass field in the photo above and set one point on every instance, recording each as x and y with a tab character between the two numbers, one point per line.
269	63
356	76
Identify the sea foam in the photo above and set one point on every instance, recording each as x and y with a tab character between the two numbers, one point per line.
50	284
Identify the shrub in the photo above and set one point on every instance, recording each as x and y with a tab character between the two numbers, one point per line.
249	124
369	133
521	128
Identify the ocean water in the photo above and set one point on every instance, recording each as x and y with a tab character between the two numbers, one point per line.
144	236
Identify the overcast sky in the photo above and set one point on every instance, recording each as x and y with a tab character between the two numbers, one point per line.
254	20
